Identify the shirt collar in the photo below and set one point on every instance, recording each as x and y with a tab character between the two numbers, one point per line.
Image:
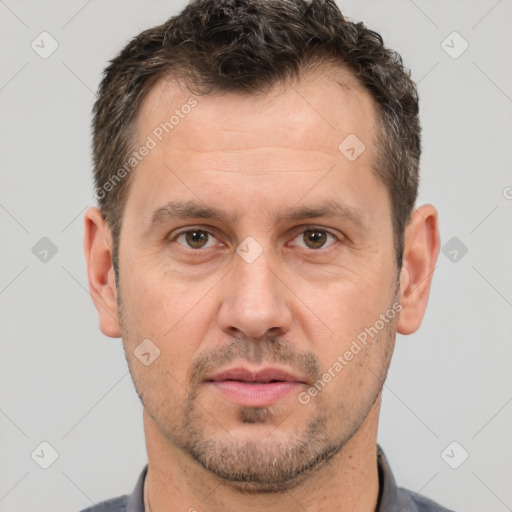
136	499
388	492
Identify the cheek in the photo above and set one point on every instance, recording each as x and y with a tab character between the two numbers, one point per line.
158	298
342	310
353	374
355	355
174	315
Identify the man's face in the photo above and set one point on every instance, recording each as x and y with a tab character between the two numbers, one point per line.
268	291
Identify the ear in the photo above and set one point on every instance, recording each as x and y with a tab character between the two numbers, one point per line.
421	249
100	271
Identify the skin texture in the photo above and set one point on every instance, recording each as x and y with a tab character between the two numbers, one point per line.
296	307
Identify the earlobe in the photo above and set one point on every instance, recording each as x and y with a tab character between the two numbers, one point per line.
100	272
421	249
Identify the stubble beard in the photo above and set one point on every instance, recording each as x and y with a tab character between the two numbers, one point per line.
259	464
267	464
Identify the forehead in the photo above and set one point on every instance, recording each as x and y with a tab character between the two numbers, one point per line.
309	114
269	143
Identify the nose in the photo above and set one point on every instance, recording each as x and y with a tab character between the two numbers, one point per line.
256	300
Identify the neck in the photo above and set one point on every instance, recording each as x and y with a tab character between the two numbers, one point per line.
347	482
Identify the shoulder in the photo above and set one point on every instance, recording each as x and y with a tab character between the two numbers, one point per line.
118	504
412	502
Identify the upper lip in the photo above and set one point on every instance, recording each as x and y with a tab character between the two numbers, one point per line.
263	375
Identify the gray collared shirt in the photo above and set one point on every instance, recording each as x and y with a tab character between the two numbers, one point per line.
391	497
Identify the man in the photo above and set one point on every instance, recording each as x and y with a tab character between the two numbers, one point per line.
257	249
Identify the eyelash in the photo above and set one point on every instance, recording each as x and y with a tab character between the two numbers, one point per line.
305	228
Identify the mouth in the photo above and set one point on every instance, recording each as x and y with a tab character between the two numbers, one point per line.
259	388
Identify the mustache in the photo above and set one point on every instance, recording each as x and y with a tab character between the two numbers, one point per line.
270	350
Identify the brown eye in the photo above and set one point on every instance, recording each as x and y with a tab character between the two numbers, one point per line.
195	238
314	239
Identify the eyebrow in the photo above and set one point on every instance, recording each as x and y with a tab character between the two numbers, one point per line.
188	209
330	208
192	209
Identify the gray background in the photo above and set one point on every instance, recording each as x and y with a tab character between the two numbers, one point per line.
63	382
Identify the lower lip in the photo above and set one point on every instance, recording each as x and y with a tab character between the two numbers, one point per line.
254	395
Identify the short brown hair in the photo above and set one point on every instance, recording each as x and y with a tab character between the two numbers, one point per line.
247	46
